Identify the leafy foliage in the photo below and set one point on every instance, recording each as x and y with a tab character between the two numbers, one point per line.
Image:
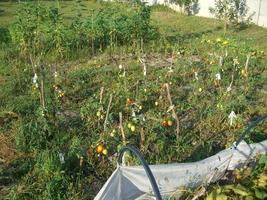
231	11
187	5
250	183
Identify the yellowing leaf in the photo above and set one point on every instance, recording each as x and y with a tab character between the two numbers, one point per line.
216	196
239	189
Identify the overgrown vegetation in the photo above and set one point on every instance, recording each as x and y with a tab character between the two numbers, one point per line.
74	91
246	182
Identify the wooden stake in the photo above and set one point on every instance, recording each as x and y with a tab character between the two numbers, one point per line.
174	115
247	62
106	119
137	90
101	95
142	135
122	131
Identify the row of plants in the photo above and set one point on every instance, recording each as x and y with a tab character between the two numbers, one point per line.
40	30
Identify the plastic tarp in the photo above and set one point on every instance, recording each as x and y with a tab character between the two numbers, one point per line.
131	182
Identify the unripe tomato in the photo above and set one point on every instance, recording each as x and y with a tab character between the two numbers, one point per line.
132	128
105	152
129	125
99	148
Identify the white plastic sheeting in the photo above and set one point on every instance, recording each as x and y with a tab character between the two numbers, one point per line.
127	183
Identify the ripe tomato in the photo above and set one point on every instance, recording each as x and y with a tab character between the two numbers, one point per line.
165	123
129	101
238	126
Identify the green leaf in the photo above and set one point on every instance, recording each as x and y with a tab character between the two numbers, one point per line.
249	198
263	160
222	197
260	194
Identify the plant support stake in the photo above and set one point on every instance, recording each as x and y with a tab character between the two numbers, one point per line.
166	85
106	119
122	131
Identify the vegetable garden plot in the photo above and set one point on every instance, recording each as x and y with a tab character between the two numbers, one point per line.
83	79
132	183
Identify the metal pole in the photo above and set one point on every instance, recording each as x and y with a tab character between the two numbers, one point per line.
146	167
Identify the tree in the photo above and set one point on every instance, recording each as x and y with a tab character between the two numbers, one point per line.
182	3
230	11
185	5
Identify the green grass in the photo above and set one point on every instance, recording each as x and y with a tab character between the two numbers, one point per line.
171	22
69	9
